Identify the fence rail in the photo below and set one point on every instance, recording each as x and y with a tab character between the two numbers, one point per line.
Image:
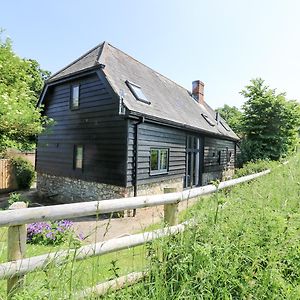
83	209
17	217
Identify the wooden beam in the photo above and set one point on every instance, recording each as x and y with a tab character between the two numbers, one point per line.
16	248
170	210
24	266
111	285
66	211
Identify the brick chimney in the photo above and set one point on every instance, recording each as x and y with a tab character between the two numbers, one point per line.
198	91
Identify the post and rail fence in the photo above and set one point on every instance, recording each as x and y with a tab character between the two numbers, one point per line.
19	215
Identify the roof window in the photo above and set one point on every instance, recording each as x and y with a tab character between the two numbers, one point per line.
137	92
208	120
225	126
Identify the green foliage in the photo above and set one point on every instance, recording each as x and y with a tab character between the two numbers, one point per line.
21	82
252	168
17	197
270	123
233	117
24	172
251	252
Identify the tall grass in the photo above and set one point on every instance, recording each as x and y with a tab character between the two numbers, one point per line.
252	251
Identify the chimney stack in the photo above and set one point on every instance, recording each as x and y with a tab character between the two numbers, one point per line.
198	91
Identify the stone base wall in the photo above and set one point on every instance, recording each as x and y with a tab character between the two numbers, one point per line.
157	187
221	175
70	190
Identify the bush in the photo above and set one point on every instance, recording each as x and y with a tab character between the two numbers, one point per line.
16	197
24	172
51	233
252	168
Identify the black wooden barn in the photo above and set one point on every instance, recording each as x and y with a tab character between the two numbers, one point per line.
122	129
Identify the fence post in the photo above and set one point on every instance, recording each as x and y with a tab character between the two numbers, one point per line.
16	247
170	210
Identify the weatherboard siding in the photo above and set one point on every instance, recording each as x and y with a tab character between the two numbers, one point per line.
212	163
155	136
95	125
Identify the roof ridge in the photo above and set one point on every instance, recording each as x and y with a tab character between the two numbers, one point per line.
150	68
78	59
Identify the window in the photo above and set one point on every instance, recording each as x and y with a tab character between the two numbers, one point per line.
78	157
224	125
219	157
159	161
74	101
137	92
208	120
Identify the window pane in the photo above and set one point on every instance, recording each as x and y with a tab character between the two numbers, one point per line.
154	160
164	159
208	120
137	92
78	157
189	142
75	96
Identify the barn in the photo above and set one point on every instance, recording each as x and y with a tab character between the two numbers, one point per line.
122	129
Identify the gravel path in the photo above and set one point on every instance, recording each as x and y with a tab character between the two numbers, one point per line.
101	230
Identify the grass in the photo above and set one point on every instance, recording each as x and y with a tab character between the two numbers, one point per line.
245	246
249	250
58	281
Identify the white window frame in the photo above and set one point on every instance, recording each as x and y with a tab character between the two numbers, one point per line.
159	169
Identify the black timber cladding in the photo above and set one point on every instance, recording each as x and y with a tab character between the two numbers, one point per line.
95	125
155	136
215	155
159	136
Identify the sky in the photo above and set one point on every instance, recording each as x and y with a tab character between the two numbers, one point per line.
225	44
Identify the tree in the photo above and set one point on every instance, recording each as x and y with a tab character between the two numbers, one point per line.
233	117
270	122
21	81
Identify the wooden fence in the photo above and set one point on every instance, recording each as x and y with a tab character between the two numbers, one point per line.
7	177
18	216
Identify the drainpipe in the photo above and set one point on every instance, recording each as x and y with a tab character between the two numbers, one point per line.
136	158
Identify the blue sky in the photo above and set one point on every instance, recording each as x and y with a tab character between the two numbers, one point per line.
222	43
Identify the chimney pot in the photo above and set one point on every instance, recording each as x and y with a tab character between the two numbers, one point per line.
198	91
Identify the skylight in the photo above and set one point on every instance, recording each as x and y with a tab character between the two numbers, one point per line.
208	120
137	92
224	125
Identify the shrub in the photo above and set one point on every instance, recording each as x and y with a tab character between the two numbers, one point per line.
51	233
252	168
17	197
24	172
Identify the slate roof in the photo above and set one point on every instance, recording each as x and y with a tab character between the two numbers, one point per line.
86	61
169	101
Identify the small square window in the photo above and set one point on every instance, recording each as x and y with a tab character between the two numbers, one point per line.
159	161
78	157
74	101
137	92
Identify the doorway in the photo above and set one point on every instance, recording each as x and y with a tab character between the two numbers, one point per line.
193	161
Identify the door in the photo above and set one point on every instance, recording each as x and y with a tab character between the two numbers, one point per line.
193	161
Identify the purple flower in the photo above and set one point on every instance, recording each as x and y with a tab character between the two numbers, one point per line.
49	233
